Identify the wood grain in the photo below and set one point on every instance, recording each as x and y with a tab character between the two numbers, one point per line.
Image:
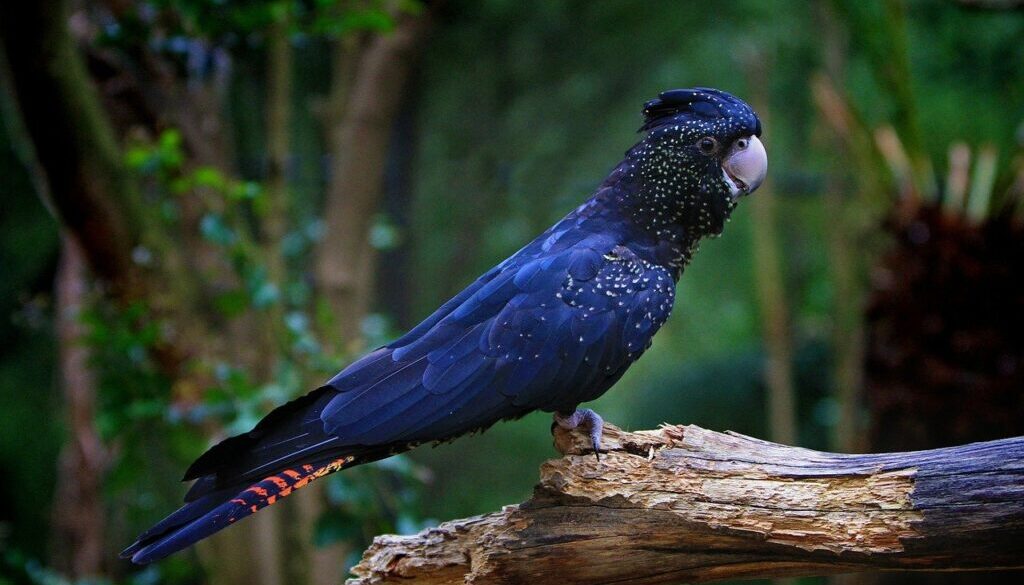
686	504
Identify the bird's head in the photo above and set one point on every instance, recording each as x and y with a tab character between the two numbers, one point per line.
700	154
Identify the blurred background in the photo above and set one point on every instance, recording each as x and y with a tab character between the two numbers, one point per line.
210	206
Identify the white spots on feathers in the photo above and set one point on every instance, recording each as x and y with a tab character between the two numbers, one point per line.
624	281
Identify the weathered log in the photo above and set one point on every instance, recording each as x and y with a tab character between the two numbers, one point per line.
686	504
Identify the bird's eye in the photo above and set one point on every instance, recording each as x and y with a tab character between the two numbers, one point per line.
707	145
742	143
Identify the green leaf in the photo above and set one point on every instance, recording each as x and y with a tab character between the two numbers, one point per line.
169	148
137	157
146	409
369	19
209	177
246	191
232	303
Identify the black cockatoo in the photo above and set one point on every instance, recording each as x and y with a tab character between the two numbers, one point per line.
553	326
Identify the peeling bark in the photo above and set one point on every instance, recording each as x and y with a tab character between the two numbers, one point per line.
686	504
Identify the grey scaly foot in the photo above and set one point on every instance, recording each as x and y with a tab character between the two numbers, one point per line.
587	418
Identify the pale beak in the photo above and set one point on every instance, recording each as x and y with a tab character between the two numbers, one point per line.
745	166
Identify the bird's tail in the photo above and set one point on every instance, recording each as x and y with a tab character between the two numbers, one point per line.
221	508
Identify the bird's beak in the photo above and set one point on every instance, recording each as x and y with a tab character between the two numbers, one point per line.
745	166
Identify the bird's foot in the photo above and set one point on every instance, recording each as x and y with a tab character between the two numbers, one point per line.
588	419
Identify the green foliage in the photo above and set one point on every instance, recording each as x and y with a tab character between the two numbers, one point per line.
163	158
328	20
30	433
18	569
178	27
238	396
131	392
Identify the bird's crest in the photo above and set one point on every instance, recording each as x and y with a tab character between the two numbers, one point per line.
698	102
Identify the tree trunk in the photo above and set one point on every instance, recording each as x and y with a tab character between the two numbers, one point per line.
89	189
847	272
79	520
770	277
683	504
279	90
345	258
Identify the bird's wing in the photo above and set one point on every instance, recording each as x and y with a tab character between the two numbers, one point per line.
546	333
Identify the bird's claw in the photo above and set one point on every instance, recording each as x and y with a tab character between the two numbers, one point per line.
588	418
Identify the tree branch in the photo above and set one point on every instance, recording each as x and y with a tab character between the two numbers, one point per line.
684	504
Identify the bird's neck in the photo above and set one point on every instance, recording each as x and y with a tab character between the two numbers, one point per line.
661	211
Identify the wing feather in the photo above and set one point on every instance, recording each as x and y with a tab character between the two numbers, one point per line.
543	333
